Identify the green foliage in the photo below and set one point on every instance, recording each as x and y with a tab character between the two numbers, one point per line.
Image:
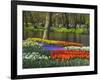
32	29
62	22
73	30
57	19
29	31
42	63
70	30
35	56
31	46
80	30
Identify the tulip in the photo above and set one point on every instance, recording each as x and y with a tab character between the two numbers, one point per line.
69	54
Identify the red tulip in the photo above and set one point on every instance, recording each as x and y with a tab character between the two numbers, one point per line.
69	54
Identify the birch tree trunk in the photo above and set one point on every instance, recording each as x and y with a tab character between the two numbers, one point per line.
47	26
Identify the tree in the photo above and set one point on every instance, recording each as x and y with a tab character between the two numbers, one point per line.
25	15
47	26
32	19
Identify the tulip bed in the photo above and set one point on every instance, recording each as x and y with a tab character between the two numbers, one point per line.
69	54
61	43
40	53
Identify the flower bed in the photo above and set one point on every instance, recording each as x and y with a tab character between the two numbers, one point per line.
53	47
31	46
39	53
84	48
61	43
69	54
64	43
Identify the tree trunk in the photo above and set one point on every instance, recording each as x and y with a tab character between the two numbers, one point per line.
47	26
25	18
66	20
31	19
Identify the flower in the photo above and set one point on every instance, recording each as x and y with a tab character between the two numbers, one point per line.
64	43
54	42
69	54
85	48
